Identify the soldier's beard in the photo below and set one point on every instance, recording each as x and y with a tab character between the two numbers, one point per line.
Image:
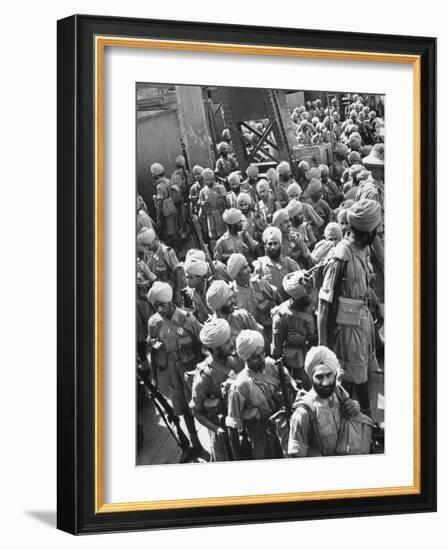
274	254
324	391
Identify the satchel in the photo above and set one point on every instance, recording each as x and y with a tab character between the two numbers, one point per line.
168	207
349	311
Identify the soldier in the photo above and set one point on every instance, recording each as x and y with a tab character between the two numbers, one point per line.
317	418
161	261
227	138
173	337
254	397
296	212
208	401
249	185
345	322
279	191
234	239
321	207
285	175
234	180
274	266
330	191
143	220
253	294
293	245
340	162
324	248
294	327
181	179
303	168
294	191
267	204
253	222
212	203
226	162
195	209
143	315
196	273
165	207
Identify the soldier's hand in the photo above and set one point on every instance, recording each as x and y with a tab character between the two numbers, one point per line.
220	431
349	408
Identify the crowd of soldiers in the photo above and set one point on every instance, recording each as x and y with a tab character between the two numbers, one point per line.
266	331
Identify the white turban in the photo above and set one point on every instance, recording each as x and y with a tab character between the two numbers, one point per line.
218	294
252	170
160	292
234	177
243	197
321	355
157	169
294	189
235	263
262	185
193	266
215	333
280	217
314	173
294	208
333	230
364	215
146	236
321	250
292	283
197	169
272	233
283	168
247	342
232	215
314	186
208	172
272	175
195	253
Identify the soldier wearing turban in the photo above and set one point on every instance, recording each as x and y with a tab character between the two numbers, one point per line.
194	300
208	401
212	201
252	398
226	162
165	207
173	338
294	326
330	191
180	180
351	333
321	409
320	206
249	185
234	180
236	238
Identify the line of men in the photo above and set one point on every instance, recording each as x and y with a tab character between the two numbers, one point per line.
282	304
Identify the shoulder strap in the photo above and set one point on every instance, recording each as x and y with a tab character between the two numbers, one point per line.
313	421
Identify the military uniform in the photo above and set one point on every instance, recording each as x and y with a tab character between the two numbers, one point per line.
323	210
306	233
254	224
250	189
195	301
331	193
225	166
260	391
354	343
212	202
207	398
179	181
293	246
163	264
273	271
178	354
229	244
267	209
167	211
285	322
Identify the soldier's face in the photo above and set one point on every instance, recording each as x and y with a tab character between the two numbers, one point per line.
164	309
263	193
298	220
272	247
244	275
257	360
324	381
244	207
226	350
293	195
235	186
285	176
229	306
316	196
193	281
209	180
285	227
197	177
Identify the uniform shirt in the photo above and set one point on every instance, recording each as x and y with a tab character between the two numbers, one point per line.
179	336
251	189
267	209
228	244
163	187
274	271
257	298
212	198
322	209
286	320
194	196
254	389
302	441
293	246
163	263
200	308
305	231
224	166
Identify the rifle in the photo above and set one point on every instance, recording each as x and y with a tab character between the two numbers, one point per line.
222	424
164	409
285	394
199	240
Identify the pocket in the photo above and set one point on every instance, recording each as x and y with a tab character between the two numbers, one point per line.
168	207
349	311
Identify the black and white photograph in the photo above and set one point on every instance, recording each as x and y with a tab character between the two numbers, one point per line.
260	273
